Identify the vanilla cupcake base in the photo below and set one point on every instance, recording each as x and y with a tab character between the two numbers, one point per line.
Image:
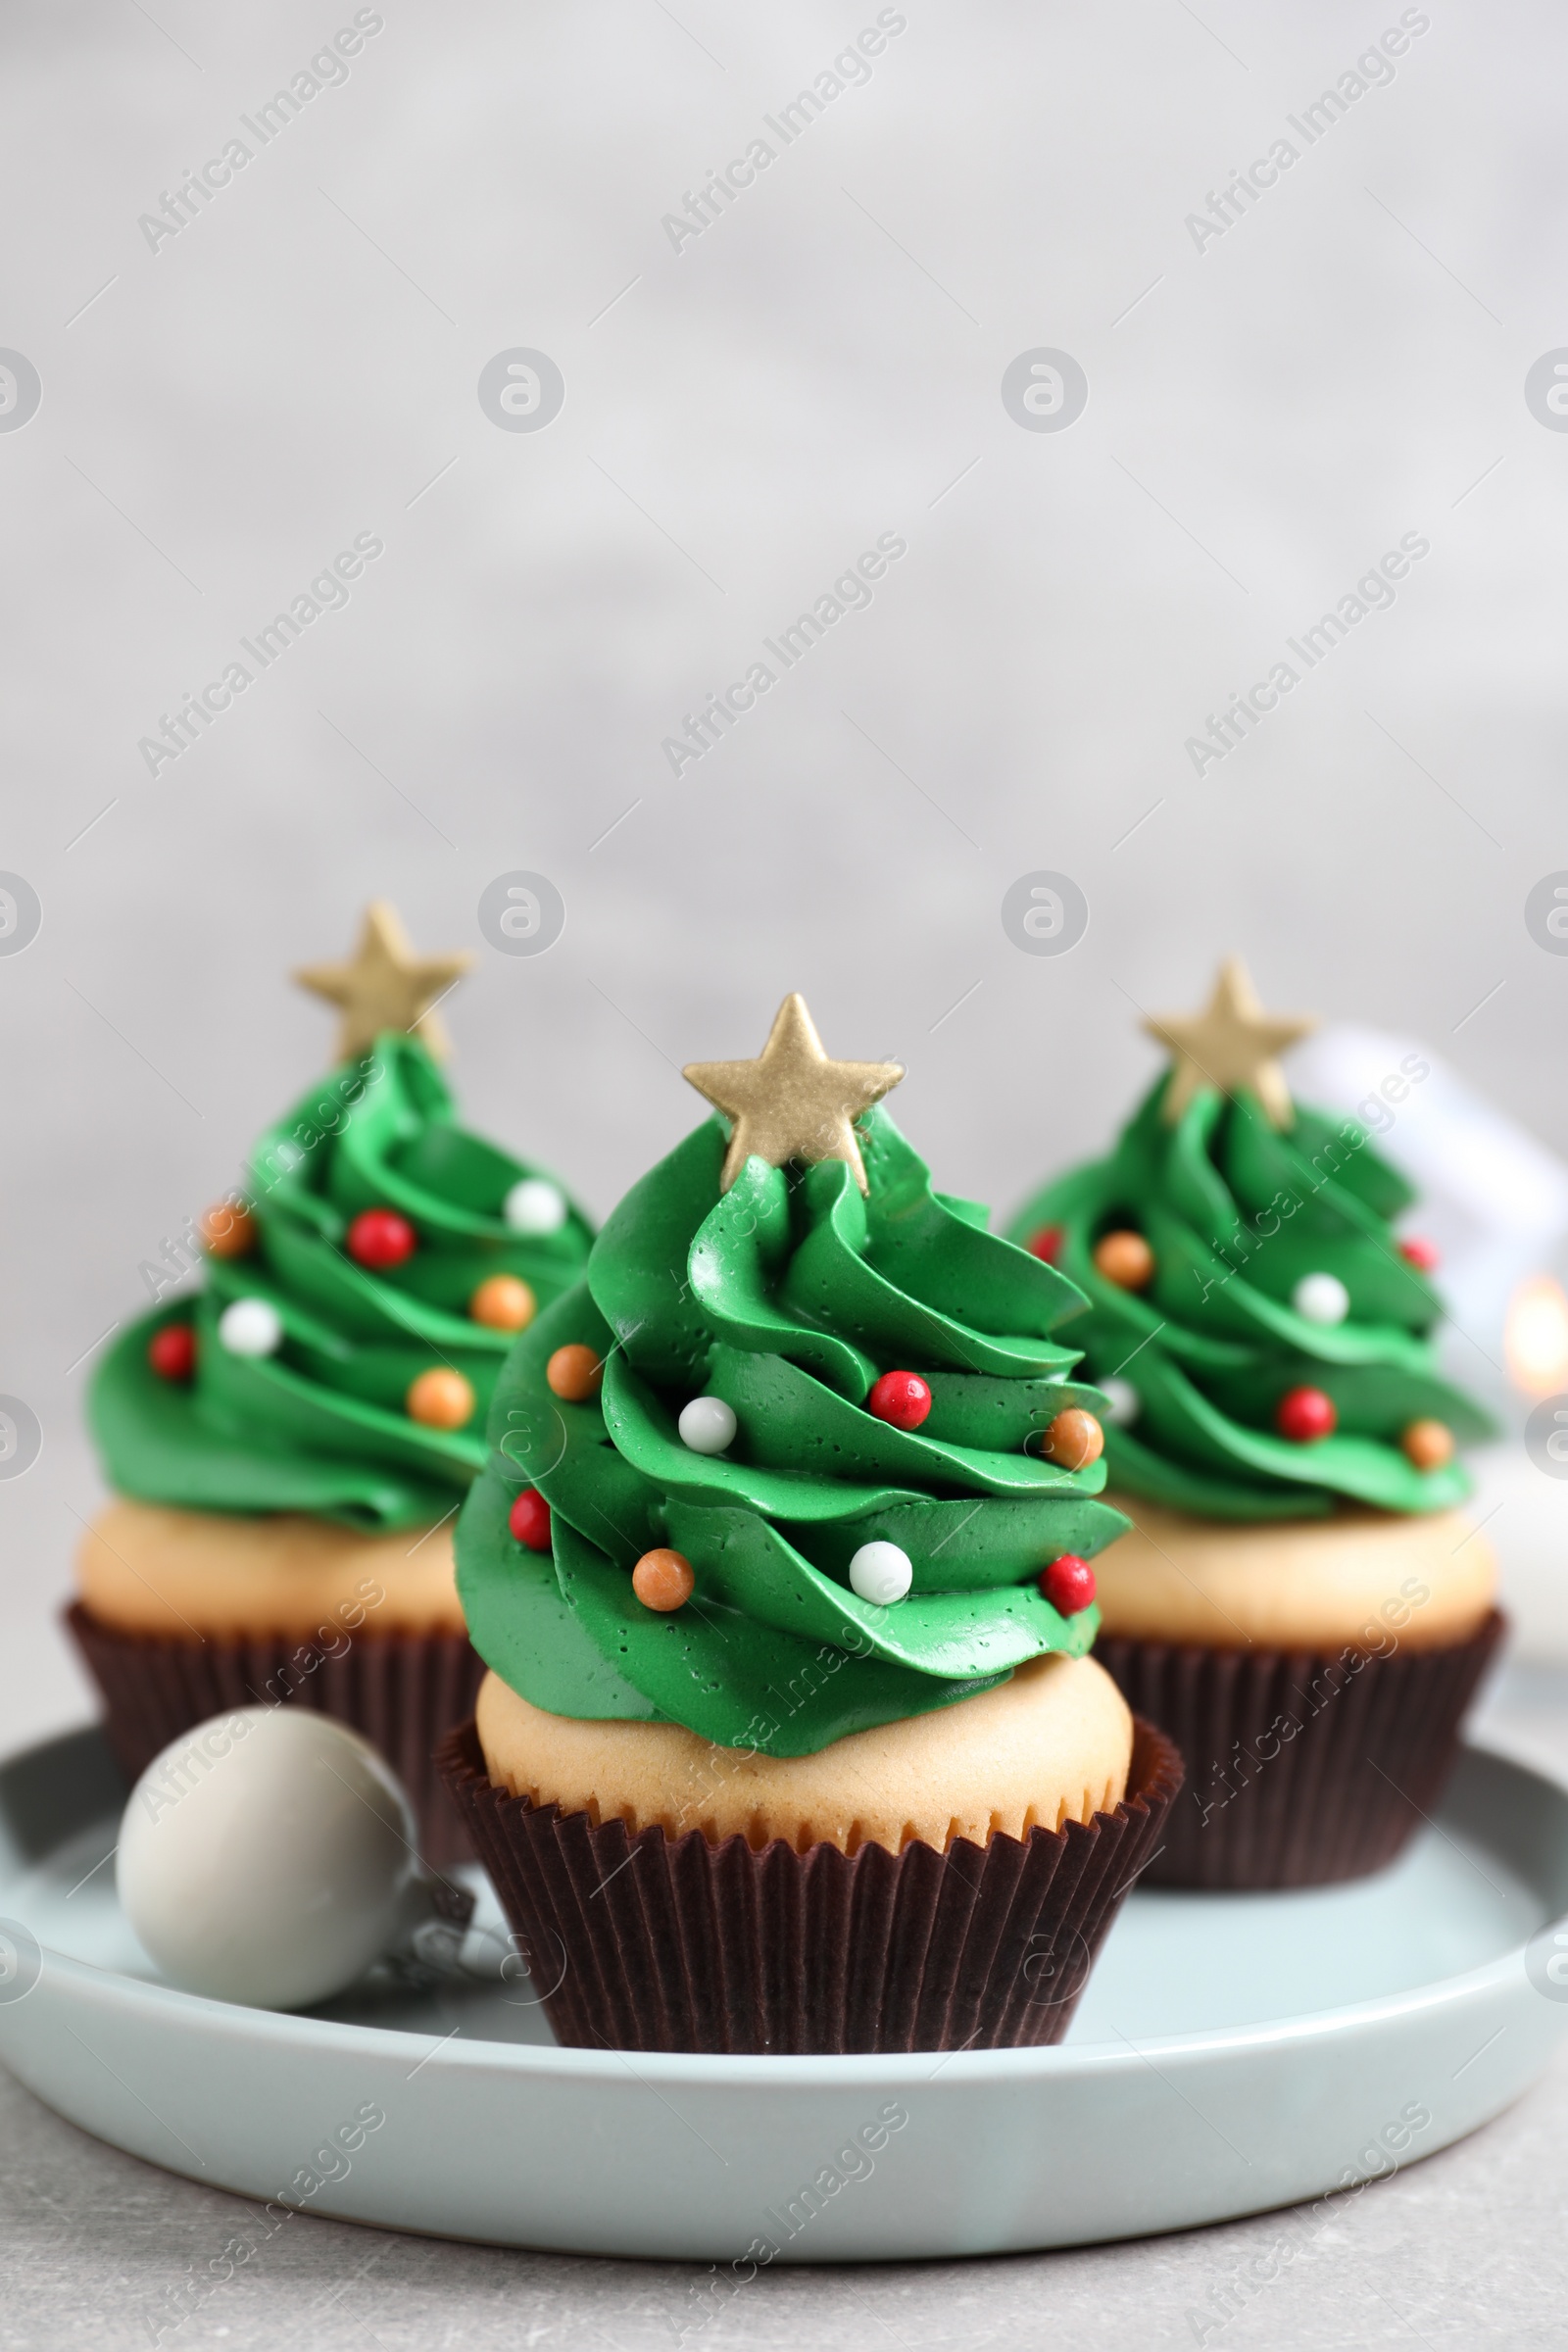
1049	1746
150	1568
1377	1580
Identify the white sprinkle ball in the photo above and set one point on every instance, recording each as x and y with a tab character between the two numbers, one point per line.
1321	1298
881	1574
250	1327
706	1425
535	1206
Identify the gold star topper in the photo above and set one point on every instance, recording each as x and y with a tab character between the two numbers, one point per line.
1232	1042
792	1103
386	986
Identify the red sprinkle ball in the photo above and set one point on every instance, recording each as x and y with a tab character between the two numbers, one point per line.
172	1352
1047	1242
529	1520
380	1239
1424	1256
900	1399
1304	1415
1068	1583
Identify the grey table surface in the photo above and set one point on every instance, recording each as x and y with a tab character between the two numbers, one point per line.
1465	2249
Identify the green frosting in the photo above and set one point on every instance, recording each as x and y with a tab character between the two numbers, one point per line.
787	1296
1235	1212
321	1426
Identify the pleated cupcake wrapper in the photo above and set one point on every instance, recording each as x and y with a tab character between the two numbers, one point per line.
641	1941
402	1691
1302	1769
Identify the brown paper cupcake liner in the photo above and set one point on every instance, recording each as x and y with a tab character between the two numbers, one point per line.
1302	1769
401	1691
648	1942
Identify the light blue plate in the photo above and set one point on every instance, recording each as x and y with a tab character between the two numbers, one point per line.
1233	2052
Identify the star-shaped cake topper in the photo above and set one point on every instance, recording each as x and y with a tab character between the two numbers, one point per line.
1231	1043
386	986
792	1103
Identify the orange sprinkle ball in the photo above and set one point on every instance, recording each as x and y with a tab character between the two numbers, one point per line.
574	1374
663	1581
503	1304
1124	1258
440	1399
1429	1445
229	1231
1073	1440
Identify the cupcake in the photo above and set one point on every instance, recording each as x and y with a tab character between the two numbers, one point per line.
1301	1602
288	1446
781	1565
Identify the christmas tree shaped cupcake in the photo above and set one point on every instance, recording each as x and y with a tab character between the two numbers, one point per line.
288	1446
1301	1602
781	1566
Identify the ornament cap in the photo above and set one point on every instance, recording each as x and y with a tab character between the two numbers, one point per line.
384	985
792	1103
1231	1043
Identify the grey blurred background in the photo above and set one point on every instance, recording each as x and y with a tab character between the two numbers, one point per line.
745	410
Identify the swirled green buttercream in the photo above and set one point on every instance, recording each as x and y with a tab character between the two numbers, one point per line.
787	1296
1237	1212
320	1426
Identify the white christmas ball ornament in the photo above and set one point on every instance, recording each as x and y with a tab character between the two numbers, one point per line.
535	1206
268	1857
1321	1298
1123	1405
881	1573
250	1327
706	1425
